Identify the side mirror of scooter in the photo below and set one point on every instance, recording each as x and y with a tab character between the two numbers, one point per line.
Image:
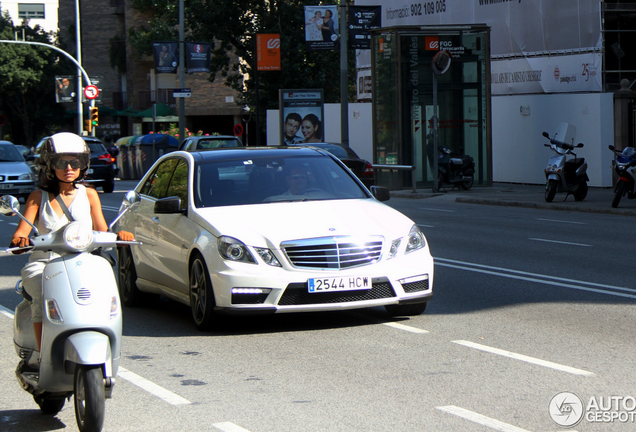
9	205
545	134
131	200
611	147
579	145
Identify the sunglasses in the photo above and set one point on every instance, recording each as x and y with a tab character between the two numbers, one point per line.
61	164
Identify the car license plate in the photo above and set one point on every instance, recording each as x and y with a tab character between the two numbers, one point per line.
349	283
6	186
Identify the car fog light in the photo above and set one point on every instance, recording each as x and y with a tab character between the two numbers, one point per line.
251	290
53	312
268	256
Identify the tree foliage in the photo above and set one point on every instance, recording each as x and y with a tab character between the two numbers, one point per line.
231	26
27	78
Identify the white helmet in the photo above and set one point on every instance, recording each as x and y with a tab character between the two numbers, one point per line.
64	143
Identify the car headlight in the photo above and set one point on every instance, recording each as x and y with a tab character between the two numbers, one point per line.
78	236
395	245
416	240
268	256
28	176
234	250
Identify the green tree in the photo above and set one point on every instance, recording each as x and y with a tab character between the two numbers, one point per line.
27	78
231	25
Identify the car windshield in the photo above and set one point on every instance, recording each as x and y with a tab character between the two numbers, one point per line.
273	179
8	153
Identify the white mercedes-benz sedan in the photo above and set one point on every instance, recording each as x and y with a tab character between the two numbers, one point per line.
270	230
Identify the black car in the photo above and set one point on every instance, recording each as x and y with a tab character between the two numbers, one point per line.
102	170
360	167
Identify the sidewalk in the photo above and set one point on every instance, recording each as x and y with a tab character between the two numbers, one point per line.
598	200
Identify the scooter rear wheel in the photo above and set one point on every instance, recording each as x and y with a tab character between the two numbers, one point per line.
550	190
90	406
620	191
581	192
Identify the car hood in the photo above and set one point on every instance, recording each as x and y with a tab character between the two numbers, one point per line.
267	225
14	168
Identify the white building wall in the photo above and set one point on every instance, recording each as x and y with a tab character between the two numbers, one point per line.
49	23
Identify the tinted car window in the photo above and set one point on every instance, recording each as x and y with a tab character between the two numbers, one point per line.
216	143
156	184
179	184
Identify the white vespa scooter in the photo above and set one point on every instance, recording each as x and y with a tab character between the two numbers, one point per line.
82	321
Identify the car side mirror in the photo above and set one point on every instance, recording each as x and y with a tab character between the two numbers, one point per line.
380	193
169	205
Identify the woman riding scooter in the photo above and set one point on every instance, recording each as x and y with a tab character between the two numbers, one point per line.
60	196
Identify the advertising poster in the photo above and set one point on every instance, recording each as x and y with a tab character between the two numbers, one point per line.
268	52
301	116
197	58
321	28
166	55
65	88
363	19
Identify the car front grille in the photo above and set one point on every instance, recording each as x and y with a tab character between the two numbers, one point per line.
333	253
298	294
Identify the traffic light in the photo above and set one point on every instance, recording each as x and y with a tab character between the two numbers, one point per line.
87	126
94	116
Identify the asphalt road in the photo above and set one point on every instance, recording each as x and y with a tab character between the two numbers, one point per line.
529	303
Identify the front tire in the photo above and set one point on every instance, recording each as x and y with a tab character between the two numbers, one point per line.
201	294
127	278
406	309
551	189
620	191
89	399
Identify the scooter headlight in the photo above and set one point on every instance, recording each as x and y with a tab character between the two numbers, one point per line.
78	236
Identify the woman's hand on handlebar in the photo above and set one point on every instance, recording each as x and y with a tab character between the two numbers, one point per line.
19	242
125	236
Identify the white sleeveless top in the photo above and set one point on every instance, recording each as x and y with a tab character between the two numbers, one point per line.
80	209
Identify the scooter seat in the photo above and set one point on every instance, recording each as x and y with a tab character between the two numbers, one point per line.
576	162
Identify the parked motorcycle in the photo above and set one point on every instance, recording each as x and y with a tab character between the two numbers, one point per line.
625	166
82	321
562	174
454	169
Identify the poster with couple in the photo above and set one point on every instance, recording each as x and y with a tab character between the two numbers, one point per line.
321	28
301	116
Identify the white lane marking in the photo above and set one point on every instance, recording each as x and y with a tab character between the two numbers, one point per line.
6	312
480	419
229	427
152	388
438	210
560	242
561	221
524	358
109	208
405	328
534	277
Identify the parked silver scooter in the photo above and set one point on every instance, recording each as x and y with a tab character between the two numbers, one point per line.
82	321
562	174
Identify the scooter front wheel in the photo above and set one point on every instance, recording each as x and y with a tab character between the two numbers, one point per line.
467	184
620	191
89	398
551	189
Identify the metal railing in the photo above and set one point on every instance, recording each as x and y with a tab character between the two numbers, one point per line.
398	168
